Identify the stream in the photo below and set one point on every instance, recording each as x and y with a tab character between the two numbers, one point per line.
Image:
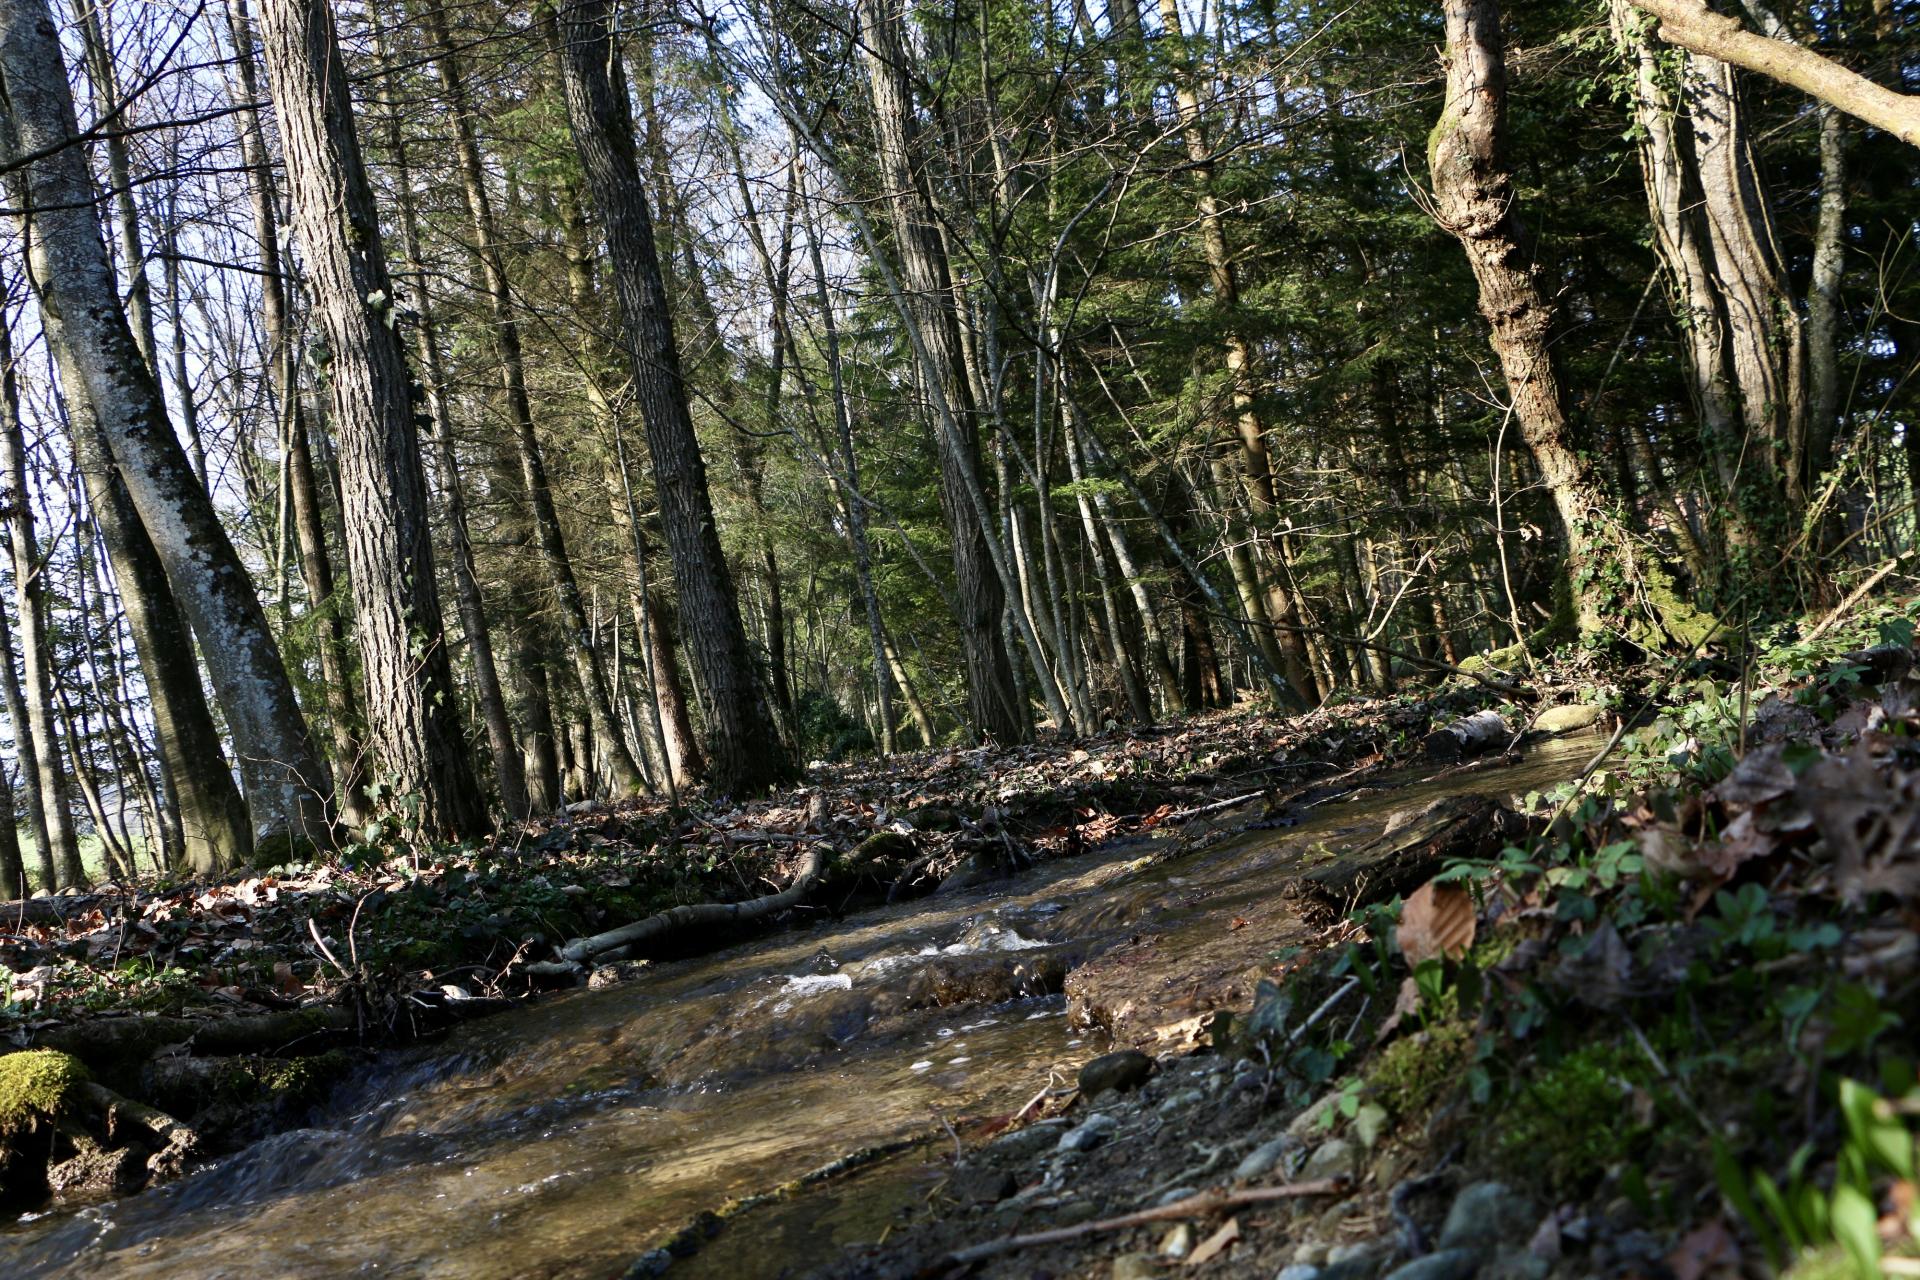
564	1138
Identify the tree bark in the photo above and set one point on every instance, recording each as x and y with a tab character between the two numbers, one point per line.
49	811
117	397
505	332
1612	587
743	750
1693	26
413	717
993	708
309	517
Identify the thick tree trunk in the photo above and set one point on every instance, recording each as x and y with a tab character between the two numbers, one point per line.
413	717
1613	586
115	393
743	750
309	517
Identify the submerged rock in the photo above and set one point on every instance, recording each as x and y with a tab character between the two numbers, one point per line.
1122	1070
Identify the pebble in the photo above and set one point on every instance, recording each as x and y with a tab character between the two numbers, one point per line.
1486	1215
1448	1264
1259	1162
1182	1100
1307	1122
1298	1271
1092	1131
1178	1242
1022	1143
1330	1159
1122	1070
1135	1266
1177	1194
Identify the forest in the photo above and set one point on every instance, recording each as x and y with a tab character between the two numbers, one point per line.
500	498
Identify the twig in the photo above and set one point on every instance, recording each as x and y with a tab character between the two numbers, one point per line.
1181	815
1854	597
1205	1204
325	950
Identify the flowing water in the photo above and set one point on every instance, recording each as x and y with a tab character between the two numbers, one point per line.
565	1138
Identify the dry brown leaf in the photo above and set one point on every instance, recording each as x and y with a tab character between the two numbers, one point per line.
1216	1244
1708	1252
1438	920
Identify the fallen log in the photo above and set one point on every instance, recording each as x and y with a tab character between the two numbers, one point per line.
687	916
1468	736
108	1044
1404	858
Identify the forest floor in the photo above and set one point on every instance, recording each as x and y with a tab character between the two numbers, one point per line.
1674	1012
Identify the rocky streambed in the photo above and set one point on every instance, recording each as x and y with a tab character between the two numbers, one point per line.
791	1104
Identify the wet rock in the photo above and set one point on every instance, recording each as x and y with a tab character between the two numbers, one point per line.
654	1262
1331	1159
1090	1133
1260	1161
1022	1143
1568	718
1448	1264
613	975
1122	1070
1517	1265
972	1185
982	866
1486	1215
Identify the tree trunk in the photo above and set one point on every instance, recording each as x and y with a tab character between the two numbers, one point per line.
309	518
36	747
993	708
505	332
413	718
1613	587
1693	26
115	393
743	750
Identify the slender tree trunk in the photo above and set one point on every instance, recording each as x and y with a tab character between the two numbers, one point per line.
413	718
927	285
117	397
743	751
505	332
36	745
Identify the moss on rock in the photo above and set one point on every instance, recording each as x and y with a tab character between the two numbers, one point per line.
35	1085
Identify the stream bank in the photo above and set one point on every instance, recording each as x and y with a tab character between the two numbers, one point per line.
231	1007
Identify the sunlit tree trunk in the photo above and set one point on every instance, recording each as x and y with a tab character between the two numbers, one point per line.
118	405
1613	586
413	717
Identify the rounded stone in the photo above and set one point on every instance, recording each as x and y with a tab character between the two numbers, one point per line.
1122	1070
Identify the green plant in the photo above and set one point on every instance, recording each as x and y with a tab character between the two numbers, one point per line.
1797	1219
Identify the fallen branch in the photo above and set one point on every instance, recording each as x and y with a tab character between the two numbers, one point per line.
1181	815
1854	597
1205	1204
580	950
